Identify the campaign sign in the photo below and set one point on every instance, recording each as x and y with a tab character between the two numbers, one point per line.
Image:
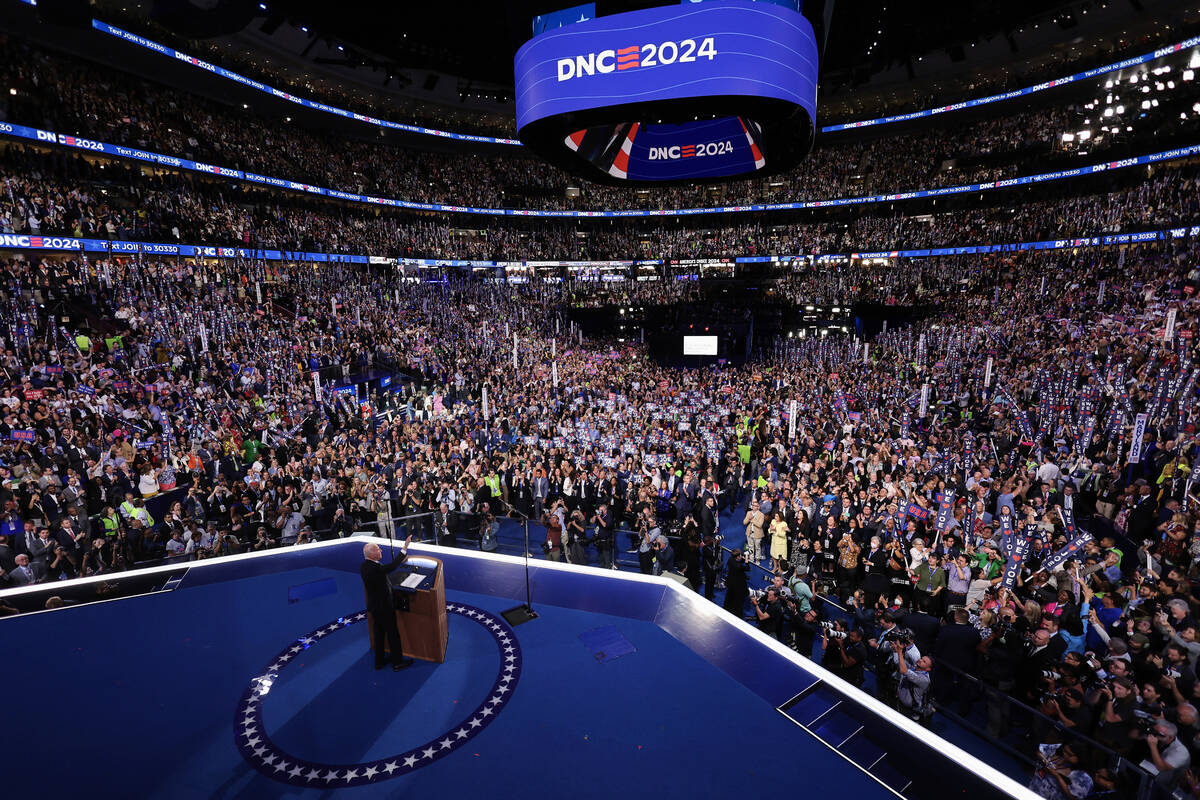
23	436
1016	557
945	511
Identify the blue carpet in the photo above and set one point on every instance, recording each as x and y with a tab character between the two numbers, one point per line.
146	690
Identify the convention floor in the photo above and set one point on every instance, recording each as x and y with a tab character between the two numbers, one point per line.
162	696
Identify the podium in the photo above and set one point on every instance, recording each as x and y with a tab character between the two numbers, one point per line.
420	611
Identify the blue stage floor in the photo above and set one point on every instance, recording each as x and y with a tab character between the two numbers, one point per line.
140	698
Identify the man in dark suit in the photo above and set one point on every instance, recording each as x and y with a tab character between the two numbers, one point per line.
381	606
957	645
707	517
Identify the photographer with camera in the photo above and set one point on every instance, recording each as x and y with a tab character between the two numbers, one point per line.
912	688
604	536
773	612
887	669
1167	754
649	533
1116	703
843	652
575	534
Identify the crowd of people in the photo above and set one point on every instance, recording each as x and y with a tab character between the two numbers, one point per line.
55	193
992	504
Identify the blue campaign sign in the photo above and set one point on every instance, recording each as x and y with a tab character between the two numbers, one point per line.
727	49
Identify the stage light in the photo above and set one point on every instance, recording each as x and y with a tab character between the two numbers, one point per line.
1120	109
1188	74
1068	137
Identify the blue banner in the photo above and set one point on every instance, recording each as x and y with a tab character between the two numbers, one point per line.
18	241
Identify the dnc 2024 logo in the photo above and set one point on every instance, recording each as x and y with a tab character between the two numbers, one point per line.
619	59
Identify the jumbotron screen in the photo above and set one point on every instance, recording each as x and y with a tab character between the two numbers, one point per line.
699	345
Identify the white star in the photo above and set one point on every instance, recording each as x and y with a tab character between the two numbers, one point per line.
294	771
408	762
486	712
281	766
253	741
296	649
509	668
306	640
461	733
269	761
319	633
286	657
312	774
428	753
510	659
360	616
392	766
331	775
510	649
258	751
370	772
350	775
495	701
446	742
475	723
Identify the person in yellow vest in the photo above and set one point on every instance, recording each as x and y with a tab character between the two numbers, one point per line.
109	521
493	482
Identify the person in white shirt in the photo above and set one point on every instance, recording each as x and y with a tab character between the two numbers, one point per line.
1166	751
1049	472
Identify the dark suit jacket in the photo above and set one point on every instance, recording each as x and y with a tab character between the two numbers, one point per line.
379	592
955	645
925	629
707	520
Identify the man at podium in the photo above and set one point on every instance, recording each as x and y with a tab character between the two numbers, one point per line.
382	606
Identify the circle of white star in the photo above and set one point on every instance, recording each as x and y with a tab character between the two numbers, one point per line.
257	747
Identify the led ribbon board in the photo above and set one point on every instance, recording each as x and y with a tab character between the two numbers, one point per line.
722	89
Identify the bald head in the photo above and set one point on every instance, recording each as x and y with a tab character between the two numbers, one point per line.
371	552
